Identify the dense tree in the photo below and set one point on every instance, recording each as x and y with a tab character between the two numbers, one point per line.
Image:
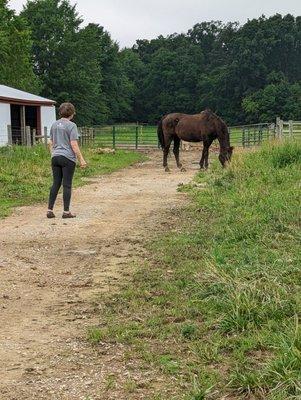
15	51
170	75
117	86
83	78
279	97
245	73
134	70
82	65
224	67
59	54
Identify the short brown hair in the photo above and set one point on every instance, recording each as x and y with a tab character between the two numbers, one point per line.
66	110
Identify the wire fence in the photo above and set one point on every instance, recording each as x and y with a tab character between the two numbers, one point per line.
128	136
143	136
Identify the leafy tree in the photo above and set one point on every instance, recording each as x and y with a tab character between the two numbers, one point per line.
15	51
134	69
245	73
55	26
170	76
220	66
82	65
117	87
275	99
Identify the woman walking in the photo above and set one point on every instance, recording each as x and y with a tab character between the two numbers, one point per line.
64	151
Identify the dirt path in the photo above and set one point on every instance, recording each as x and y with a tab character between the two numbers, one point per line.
51	271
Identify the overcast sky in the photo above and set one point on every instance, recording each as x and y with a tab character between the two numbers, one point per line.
129	20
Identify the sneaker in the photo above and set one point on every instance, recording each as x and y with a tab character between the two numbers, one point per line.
50	214
68	215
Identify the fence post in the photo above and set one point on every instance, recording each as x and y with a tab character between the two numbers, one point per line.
260	135
271	131
23	136
9	135
114	136
34	134
92	138
291	128
243	137
81	133
136	137
45	137
279	127
28	136
83	137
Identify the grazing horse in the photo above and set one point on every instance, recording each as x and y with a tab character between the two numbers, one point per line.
204	127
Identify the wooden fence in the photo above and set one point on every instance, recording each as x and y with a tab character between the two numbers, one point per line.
86	136
290	129
26	137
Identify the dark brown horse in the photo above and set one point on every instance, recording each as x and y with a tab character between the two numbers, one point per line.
204	127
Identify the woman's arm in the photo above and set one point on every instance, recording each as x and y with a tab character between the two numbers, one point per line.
76	149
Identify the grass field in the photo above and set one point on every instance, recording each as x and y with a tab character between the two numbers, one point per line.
25	173
216	309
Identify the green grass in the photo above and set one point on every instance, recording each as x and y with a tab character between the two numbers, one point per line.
25	173
217	308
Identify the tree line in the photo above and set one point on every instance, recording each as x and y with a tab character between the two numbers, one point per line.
246	73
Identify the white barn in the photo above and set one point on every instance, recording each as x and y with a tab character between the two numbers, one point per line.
20	109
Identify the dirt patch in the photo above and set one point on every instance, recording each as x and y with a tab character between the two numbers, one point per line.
51	270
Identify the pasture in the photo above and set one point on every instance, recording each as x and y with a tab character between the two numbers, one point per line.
214	311
168	298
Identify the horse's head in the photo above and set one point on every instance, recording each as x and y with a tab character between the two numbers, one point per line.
225	156
230	152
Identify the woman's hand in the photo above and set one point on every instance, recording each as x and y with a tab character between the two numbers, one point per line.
76	149
83	163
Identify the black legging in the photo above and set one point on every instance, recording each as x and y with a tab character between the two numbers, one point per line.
63	170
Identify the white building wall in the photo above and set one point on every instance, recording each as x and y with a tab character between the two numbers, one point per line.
4	121
48	117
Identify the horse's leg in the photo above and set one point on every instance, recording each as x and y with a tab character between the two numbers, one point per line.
205	155
209	143
176	151
167	143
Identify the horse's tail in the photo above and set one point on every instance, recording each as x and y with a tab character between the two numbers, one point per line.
160	133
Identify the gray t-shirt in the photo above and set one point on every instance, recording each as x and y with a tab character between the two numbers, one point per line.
61	134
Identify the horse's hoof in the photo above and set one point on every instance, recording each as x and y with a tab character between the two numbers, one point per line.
167	169
183	169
